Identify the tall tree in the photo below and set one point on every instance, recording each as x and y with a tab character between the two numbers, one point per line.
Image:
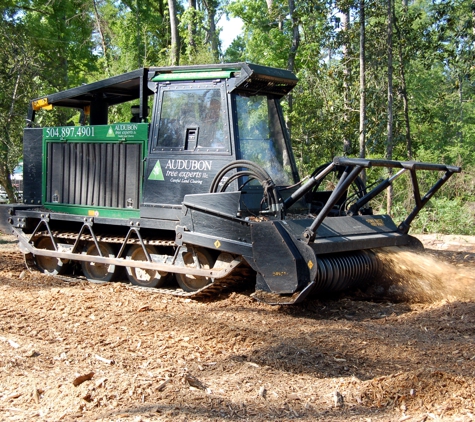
362	61
390	138
18	67
46	46
346	49
175	36
295	40
192	28
403	84
100	28
213	36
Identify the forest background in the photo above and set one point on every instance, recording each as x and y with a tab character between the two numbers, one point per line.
378	78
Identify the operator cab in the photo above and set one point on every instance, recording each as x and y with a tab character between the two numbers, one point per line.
205	117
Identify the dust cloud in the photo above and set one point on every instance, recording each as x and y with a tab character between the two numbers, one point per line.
416	276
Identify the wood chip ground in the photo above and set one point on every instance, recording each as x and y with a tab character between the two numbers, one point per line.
88	352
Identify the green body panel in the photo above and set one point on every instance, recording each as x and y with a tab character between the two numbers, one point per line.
131	133
94	211
187	76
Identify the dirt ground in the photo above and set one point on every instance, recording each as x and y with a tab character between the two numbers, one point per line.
400	350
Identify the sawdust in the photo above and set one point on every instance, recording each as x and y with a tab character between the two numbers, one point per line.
419	276
73	351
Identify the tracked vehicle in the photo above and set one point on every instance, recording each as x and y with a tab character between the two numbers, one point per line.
198	191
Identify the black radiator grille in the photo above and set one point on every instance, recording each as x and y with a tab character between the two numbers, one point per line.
94	174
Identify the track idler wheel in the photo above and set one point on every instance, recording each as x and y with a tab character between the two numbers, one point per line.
195	258
99	273
46	264
143	277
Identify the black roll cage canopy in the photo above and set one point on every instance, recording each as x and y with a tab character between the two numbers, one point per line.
96	97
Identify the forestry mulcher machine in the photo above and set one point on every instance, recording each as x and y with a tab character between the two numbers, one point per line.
199	188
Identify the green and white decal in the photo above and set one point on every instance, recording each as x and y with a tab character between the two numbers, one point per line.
113	132
156	173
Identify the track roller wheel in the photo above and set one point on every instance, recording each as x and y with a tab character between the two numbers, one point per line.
143	277
46	264
194	258
99	273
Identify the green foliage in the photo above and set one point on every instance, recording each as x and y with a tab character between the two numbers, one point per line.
131	34
441	215
17	70
313	142
60	32
266	32
433	54
48	46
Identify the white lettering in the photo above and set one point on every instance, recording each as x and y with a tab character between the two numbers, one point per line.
126	127
200	165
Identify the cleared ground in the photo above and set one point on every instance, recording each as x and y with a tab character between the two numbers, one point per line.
79	351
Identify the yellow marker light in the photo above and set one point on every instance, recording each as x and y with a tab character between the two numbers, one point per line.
310	264
41	104
217	244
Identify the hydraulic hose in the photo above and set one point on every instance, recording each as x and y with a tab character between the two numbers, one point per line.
254	171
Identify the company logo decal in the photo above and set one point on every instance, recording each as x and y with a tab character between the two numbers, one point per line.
110	133
157	173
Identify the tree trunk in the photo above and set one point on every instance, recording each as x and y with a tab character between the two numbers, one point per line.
101	36
347	147
270	5
295	37
389	142
473	22
293	50
362	129
59	14
212	33
192	28
175	37
211	7
460	77
138	37
212	30
403	92
5	170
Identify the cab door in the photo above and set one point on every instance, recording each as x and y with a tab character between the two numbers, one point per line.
190	142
